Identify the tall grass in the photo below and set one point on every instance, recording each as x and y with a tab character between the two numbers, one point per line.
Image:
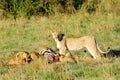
28	8
29	35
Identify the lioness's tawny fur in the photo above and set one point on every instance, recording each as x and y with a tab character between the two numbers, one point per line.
64	43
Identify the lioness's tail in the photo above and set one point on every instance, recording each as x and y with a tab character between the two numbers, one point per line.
103	51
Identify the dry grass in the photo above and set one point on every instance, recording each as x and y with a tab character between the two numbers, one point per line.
29	35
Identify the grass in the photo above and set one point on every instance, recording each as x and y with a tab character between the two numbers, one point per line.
29	35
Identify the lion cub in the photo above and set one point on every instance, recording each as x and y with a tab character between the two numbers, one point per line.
19	58
52	57
33	56
64	43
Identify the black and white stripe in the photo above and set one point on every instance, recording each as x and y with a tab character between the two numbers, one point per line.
48	53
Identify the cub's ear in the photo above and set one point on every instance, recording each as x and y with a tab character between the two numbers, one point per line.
60	36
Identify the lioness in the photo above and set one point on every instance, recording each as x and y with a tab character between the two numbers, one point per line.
64	43
19	58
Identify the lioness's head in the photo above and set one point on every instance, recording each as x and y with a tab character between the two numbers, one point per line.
57	35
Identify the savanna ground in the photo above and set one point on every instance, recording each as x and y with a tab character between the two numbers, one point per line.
29	34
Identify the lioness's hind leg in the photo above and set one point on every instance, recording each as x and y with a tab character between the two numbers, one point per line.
93	51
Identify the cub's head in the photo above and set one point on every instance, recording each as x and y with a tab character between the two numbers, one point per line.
32	56
19	58
57	35
22	57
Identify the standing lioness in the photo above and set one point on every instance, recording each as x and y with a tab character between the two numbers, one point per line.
64	43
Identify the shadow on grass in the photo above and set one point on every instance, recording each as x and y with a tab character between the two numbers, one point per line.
113	53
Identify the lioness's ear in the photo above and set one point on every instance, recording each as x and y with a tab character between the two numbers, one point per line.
50	32
60	36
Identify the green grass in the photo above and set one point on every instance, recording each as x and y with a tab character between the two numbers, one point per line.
29	35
